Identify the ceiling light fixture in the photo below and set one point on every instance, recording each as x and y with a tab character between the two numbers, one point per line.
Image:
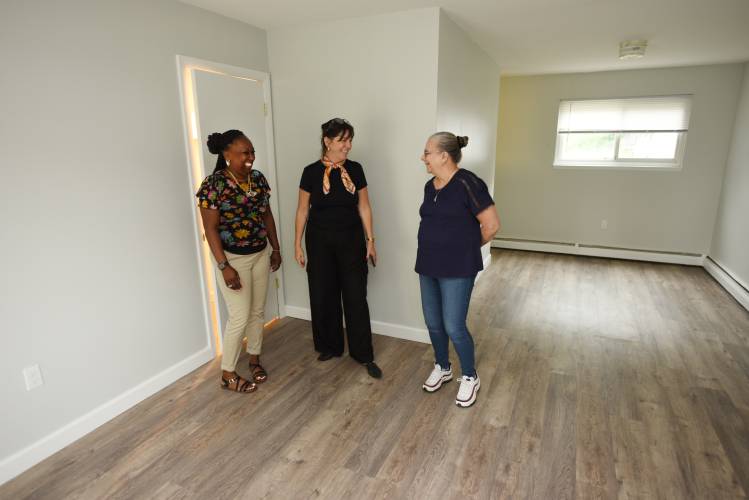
632	49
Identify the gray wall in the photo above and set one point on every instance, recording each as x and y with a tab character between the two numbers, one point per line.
731	241
380	73
403	76
467	98
100	279
666	211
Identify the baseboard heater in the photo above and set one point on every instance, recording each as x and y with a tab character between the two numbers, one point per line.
728	280
614	252
583	245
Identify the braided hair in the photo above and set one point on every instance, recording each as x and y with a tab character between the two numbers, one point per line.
218	143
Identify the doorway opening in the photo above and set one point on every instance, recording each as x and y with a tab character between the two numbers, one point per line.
217	97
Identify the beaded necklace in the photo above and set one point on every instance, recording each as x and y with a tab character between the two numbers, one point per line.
248	191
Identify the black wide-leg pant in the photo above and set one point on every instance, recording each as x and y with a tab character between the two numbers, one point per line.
337	272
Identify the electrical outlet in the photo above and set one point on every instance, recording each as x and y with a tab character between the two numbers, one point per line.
33	376
604	224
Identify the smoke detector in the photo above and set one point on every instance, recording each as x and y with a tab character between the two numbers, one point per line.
632	49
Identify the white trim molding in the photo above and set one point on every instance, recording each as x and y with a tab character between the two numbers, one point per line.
487	263
299	312
378	327
688	259
729	281
26	458
196	172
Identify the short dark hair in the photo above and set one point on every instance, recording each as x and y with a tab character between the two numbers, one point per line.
451	144
336	127
218	142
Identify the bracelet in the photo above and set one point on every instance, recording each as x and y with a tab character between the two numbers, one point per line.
276	251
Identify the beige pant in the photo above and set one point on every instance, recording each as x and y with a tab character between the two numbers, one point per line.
246	306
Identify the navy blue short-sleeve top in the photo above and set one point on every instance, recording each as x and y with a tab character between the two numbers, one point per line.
449	233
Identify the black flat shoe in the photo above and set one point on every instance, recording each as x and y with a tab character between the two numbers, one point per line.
324	356
373	370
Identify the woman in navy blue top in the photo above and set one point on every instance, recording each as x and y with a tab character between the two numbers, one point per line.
457	217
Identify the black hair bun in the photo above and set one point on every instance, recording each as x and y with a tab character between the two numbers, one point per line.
462	141
216	143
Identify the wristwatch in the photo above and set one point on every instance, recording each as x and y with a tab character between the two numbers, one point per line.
223	265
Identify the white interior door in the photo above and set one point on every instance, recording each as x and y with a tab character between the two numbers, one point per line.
227	102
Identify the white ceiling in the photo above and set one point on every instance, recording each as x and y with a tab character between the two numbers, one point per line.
547	36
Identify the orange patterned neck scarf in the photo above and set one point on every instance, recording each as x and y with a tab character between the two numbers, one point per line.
329	165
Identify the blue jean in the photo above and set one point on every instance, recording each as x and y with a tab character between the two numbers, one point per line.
445	305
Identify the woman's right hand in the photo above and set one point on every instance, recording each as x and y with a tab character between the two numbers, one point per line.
299	256
231	278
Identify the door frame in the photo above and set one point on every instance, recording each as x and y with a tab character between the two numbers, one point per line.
193	137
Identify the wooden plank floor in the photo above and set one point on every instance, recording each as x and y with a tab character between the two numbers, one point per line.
600	379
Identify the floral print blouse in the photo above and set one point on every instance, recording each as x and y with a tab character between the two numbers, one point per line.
241	226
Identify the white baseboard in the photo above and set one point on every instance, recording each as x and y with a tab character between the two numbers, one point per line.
401	331
24	459
379	327
727	280
487	261
593	251
298	312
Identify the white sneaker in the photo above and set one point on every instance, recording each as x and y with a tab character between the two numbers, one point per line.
469	388
437	378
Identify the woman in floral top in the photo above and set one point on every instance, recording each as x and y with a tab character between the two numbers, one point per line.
239	224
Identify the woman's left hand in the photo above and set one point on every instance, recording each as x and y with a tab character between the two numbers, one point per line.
275	260
371	252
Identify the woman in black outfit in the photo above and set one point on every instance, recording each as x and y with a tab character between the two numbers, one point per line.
334	206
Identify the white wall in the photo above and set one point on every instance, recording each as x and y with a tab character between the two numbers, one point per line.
100	279
467	99
731	240
665	211
380	73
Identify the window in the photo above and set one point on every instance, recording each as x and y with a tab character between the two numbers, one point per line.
641	132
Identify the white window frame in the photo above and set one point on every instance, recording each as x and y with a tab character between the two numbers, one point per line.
672	164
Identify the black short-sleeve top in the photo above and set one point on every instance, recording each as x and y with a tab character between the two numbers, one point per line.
241	210
338	209
449	233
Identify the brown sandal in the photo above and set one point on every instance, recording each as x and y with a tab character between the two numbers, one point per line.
258	372
238	384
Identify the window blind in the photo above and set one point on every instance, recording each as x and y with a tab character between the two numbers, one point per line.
638	114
